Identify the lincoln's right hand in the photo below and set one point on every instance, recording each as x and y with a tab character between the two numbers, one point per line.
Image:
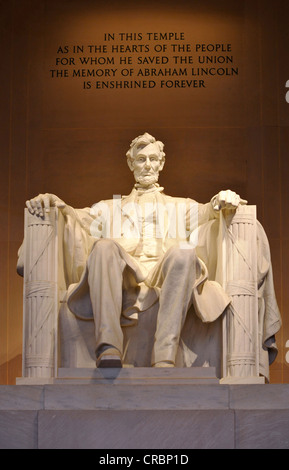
42	203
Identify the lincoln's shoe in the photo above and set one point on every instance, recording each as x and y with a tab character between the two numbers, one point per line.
164	364
111	358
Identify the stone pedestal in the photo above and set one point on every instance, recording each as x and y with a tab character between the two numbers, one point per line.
150	409
128	376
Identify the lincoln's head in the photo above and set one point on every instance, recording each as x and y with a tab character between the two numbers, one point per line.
146	159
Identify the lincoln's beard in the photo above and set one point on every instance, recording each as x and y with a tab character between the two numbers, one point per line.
147	180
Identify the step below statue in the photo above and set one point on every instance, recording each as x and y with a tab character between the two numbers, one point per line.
125	254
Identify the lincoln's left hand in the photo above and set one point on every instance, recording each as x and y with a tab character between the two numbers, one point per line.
227	200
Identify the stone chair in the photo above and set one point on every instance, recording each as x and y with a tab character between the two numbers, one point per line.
54	339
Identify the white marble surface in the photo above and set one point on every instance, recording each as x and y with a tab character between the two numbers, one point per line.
142	231
162	429
18	429
111	416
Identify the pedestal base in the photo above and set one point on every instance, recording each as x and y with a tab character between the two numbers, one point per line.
242	380
129	375
122	415
139	375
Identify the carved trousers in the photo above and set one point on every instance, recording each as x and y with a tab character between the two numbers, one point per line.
174	274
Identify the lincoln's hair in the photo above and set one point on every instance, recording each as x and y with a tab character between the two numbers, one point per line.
141	142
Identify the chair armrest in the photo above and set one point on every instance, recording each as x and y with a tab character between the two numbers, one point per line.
43	277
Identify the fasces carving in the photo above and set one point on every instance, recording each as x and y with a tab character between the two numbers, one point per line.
240	279
40	296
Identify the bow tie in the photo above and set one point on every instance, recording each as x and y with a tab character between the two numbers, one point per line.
142	190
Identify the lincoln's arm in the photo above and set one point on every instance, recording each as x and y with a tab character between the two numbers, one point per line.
224	200
38	206
41	204
78	239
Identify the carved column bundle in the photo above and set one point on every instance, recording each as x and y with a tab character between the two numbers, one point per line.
40	295
240	324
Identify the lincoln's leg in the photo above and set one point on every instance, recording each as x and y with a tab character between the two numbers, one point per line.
176	279
105	279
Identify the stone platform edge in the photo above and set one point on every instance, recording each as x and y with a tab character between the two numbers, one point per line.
144	416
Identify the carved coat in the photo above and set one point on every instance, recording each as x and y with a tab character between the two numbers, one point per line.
120	221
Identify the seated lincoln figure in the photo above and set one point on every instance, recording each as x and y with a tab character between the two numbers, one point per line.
140	243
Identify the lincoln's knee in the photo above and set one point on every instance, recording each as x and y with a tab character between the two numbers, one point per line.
181	256
104	244
104	248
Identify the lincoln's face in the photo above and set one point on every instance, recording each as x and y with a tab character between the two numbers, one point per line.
146	165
